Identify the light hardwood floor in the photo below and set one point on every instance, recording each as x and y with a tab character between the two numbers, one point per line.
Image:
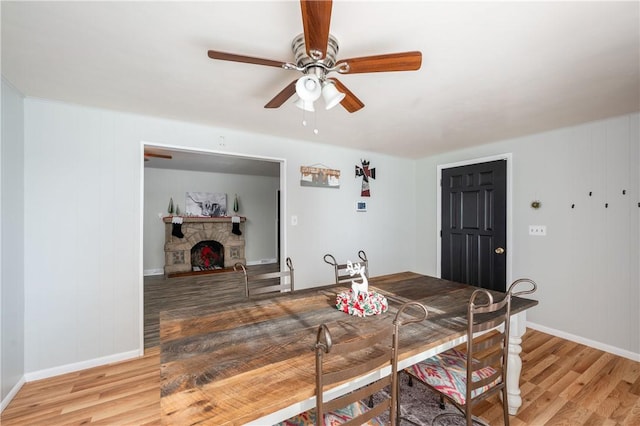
563	383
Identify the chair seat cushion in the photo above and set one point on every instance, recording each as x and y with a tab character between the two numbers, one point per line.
334	418
447	373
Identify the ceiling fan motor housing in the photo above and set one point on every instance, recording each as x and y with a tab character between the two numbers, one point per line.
318	67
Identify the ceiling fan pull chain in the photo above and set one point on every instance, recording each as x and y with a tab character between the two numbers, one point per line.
315	122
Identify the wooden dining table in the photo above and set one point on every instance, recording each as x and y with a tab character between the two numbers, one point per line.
252	362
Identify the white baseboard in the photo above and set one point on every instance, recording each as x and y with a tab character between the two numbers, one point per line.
12	393
588	342
156	271
261	262
83	365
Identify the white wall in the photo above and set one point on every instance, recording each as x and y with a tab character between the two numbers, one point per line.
11	249
83	171
257	197
587	265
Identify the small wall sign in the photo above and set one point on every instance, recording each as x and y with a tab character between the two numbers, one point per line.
319	176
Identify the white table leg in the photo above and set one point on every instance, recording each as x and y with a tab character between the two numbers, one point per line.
517	328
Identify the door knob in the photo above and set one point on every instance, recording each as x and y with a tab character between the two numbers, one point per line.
499	250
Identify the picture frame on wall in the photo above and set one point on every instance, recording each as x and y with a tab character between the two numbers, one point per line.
319	176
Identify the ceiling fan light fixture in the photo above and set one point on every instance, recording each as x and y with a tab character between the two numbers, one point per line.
305	105
332	96
308	88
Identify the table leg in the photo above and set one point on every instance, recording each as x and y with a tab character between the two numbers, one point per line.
517	328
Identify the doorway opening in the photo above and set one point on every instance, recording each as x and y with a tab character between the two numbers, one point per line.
175	163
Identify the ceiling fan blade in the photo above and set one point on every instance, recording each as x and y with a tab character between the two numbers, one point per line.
316	20
405	61
151	154
350	102
282	97
214	54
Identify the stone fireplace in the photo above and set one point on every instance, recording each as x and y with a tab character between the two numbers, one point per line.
211	232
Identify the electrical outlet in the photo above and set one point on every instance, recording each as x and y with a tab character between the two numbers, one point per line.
538	230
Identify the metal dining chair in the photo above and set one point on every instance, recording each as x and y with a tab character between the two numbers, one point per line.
268	282
340	269
465	383
340	362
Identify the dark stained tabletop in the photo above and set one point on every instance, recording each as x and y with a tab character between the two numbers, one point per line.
237	363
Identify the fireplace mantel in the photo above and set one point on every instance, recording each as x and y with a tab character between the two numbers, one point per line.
196	229
203	219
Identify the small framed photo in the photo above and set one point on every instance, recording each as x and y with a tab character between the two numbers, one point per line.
361	206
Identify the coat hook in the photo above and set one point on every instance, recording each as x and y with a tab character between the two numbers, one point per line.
573	205
606	205
624	192
590	193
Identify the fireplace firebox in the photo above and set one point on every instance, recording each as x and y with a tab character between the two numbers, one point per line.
207	255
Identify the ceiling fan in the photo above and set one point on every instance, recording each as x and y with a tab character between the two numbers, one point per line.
315	53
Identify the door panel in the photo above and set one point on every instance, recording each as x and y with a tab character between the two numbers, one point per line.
474	207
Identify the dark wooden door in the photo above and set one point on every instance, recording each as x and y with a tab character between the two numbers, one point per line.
474	224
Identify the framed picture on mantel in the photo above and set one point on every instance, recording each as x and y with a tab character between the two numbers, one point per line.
208	204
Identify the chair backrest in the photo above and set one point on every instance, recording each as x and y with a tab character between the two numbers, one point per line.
268	282
483	314
352	359
487	355
511	291
340	269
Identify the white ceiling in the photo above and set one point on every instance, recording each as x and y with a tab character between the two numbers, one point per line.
490	71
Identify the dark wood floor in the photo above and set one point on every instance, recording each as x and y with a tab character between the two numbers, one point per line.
164	294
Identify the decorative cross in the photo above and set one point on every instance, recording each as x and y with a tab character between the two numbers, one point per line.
366	174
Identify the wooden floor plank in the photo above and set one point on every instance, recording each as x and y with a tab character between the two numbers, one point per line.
633	418
618	403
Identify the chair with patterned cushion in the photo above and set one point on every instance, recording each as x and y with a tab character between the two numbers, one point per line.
340	362
268	282
340	269
450	373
